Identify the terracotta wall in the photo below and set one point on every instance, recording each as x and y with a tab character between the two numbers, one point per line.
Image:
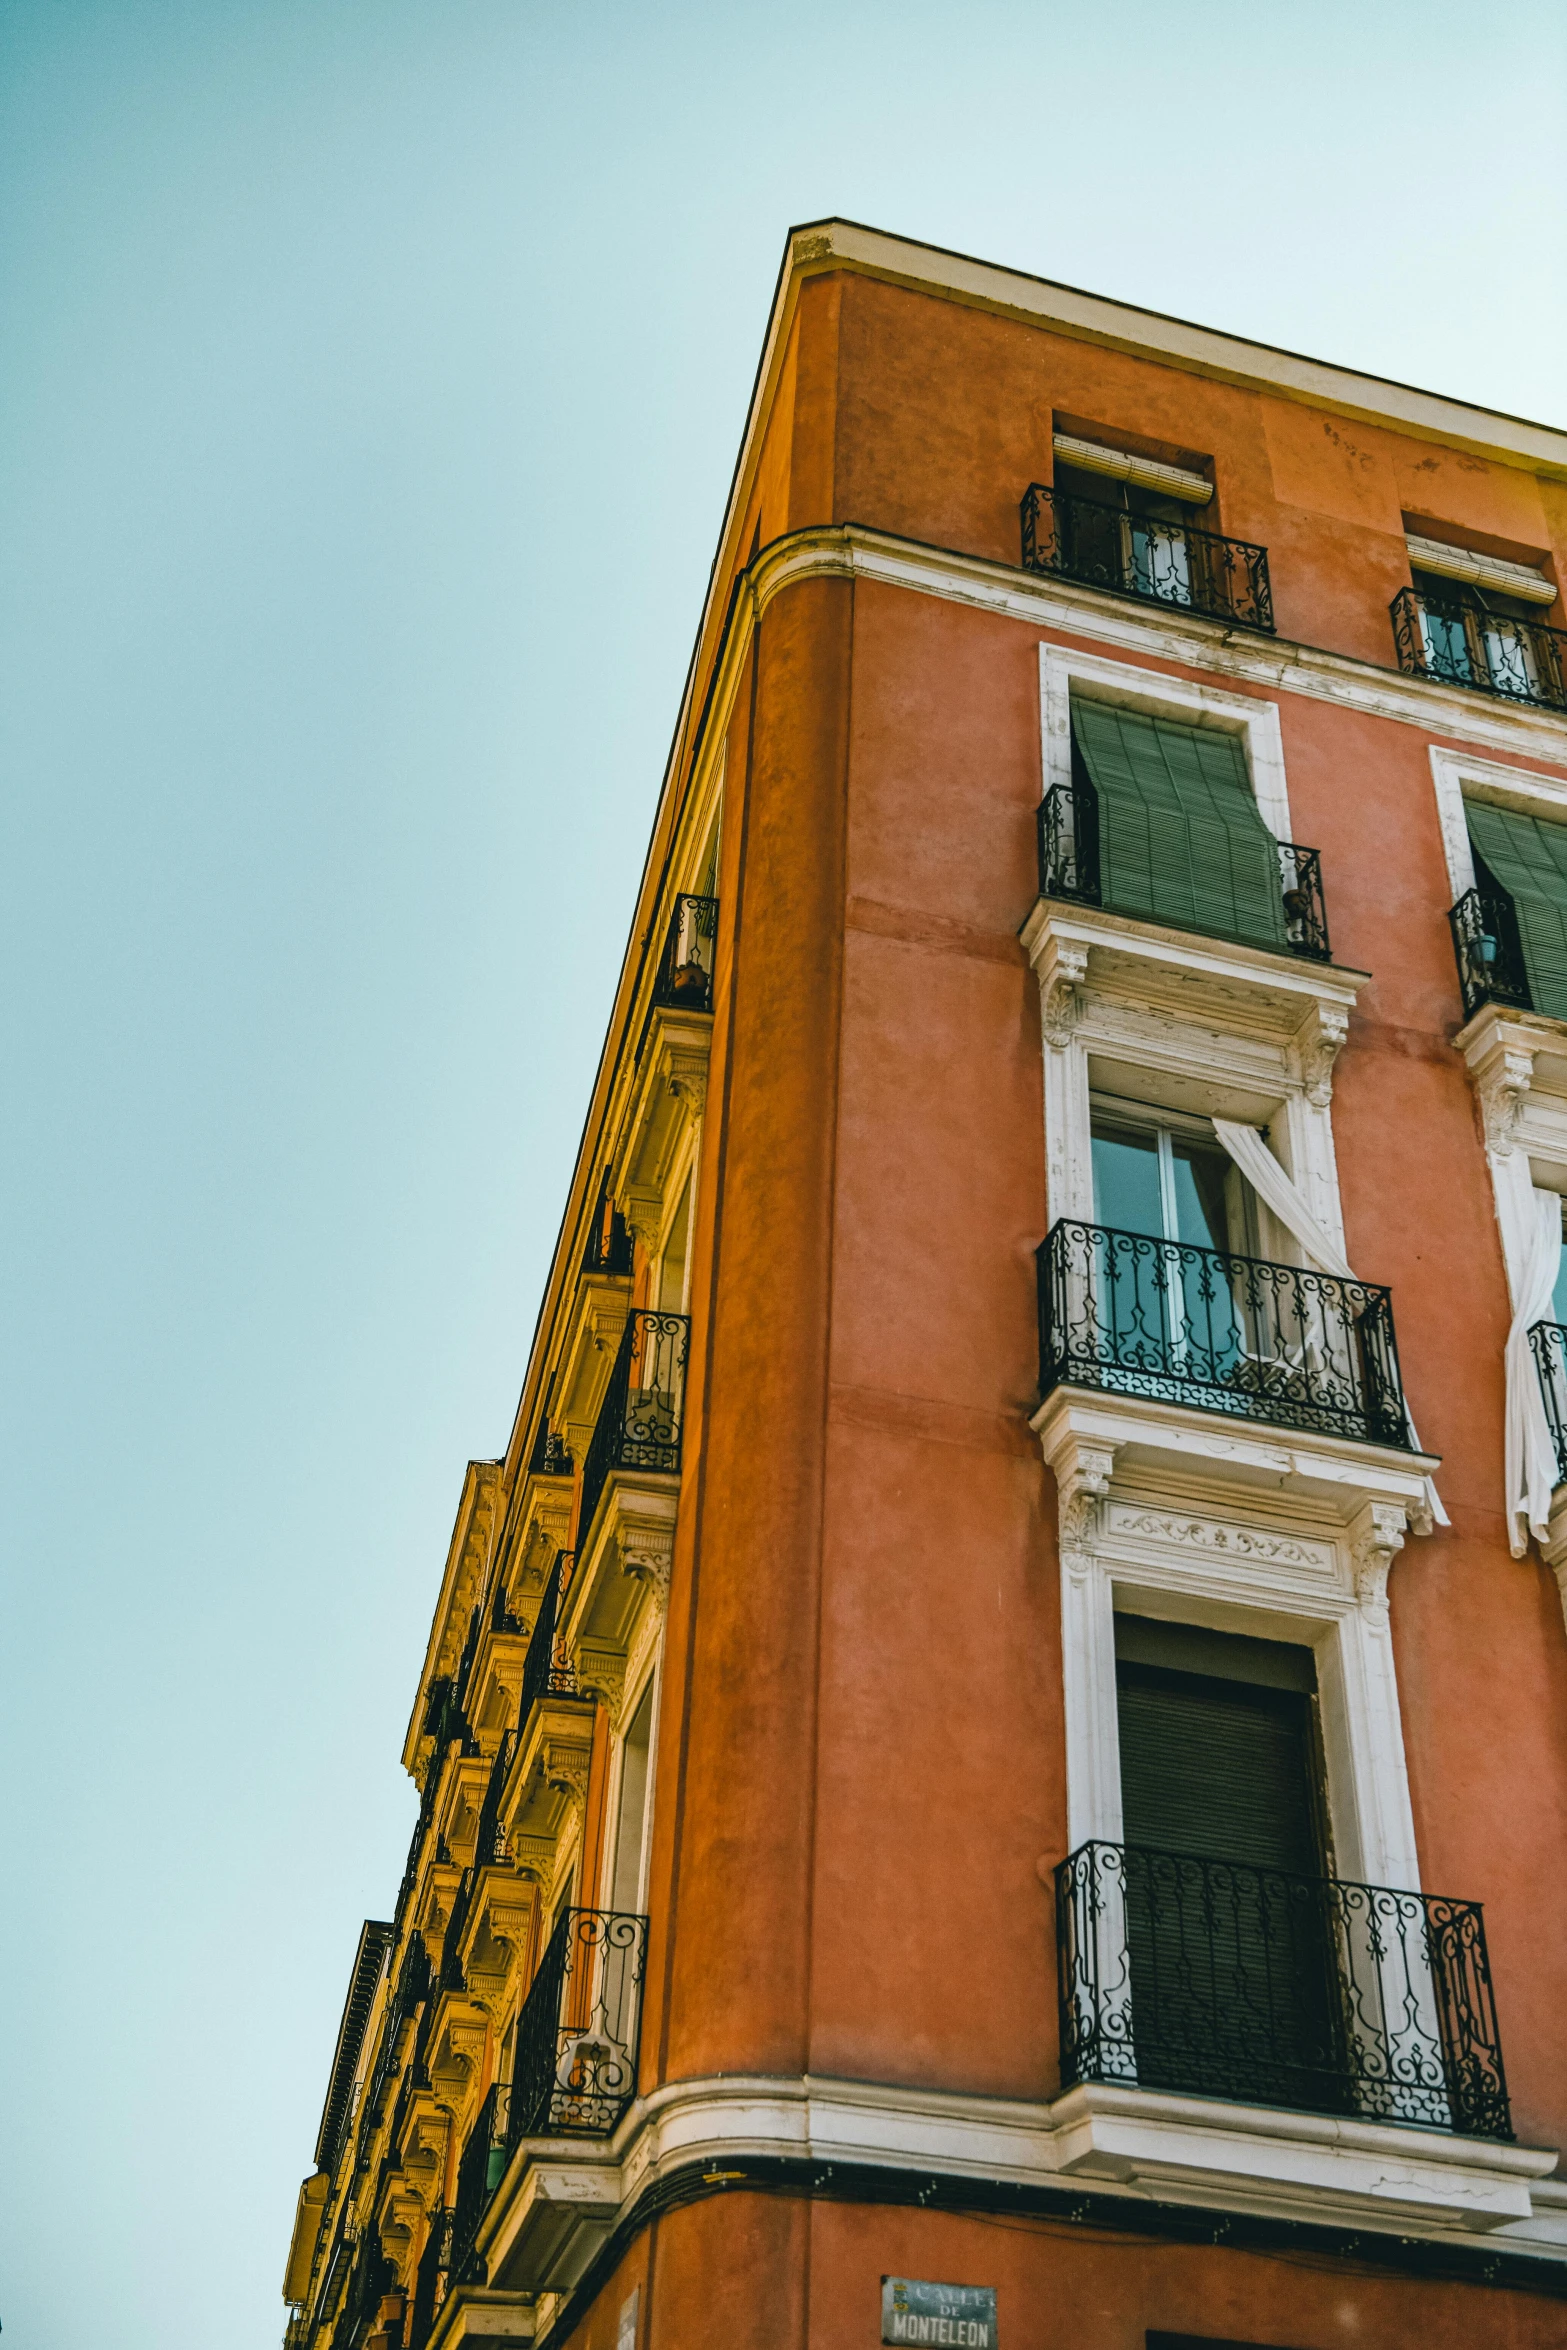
860	1779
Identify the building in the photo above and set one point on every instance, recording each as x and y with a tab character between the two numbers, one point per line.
969	1742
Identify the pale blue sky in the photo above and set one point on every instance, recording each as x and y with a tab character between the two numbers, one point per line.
371	380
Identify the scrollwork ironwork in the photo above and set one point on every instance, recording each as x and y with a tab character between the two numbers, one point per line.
1158	561
1458	639
1216	1978
1133	1315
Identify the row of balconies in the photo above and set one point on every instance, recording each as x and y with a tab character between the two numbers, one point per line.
506	1740
1449	634
1484	923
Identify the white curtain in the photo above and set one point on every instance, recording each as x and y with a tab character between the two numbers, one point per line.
1531	1224
1268	1179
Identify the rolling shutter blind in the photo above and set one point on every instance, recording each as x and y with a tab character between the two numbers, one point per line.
1221	1768
1528	856
1180	835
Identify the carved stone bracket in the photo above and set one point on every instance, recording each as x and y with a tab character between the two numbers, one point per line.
1377	1539
1082	1485
1503	1087
1317	1048
647	1553
603	1672
1060	992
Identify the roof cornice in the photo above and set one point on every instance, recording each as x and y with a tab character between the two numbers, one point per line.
818	246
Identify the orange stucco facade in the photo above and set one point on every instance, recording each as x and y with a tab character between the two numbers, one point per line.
861	1760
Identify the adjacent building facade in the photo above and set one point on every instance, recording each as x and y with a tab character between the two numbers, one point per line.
1002	1723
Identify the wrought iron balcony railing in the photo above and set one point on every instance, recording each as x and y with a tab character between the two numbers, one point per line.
1067	825
434	2264
609	1245
551	1455
1133	1315
479	2167
1134	555
1489	951
684	980
1453	637
639	1421
575	2068
1548	1342
545	1671
1213	1978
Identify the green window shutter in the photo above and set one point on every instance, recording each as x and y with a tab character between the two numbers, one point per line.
1180	835
1528	856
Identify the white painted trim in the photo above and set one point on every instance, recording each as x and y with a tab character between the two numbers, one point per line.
1485	571
851	551
1129	2146
1185	1531
1173	481
1458	776
1129	687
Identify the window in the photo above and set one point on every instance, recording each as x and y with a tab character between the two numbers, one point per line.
1127	531
632	1816
1234	1987
1180	837
1521	860
1478	636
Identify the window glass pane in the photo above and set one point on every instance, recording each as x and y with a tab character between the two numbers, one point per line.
1199	1195
1559	1294
1126	1179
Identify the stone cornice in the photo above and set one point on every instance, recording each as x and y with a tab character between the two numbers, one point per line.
852	550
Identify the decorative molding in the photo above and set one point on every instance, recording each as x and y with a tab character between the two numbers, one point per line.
1378	1539
1214	1536
1502	1085
1118	2148
855	551
1317	1047
1061	980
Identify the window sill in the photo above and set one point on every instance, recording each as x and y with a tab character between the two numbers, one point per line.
1293	2165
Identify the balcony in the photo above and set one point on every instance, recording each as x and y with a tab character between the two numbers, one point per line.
1489	952
576	2061
684	980
1455	639
1548	1342
1159	562
574	2069
1067	822
1127	1314
545	1672
1210	1978
639	1422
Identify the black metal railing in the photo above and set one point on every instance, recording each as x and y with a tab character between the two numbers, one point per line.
1134	1315
551	1455
575	2068
609	1246
1214	1978
1162	562
1488	951
1548	1342
639	1421
684	979
1457	640
434	2264
545	1670
476	2182
1067	829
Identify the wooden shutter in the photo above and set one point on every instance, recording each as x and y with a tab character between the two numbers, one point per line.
1234	1989
1528	856
1180	835
1221	1768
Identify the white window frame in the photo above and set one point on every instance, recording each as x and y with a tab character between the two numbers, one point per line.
1157	696
1273	1574
1457	777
